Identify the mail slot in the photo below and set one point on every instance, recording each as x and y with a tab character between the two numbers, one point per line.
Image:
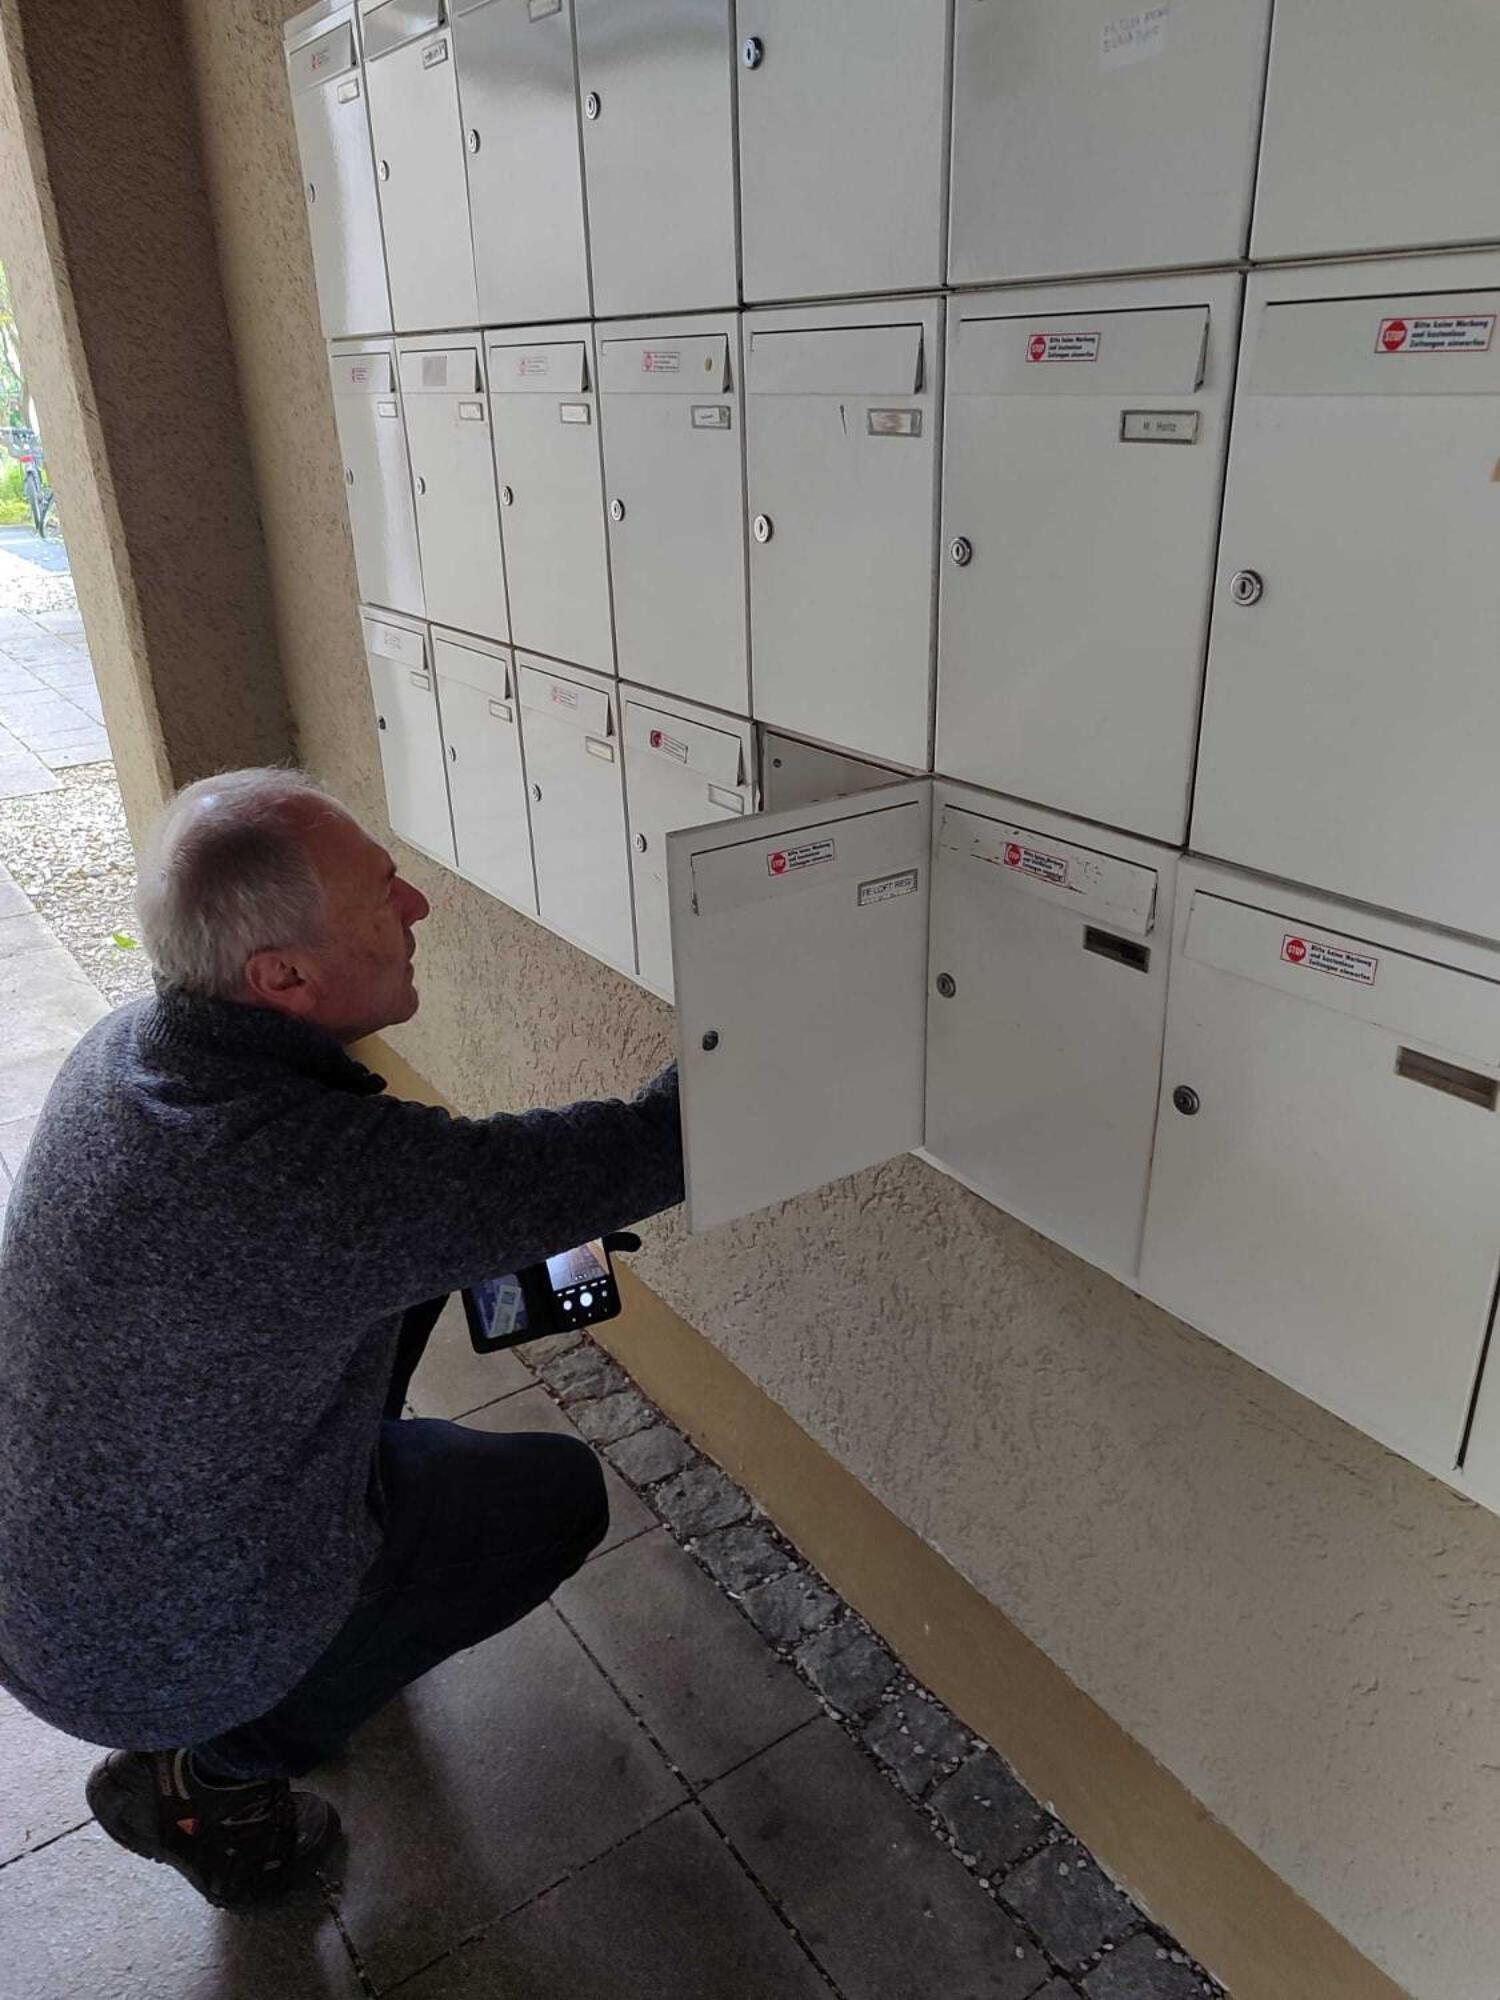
842	408
480	702
1083	462
1050	940
1327	1151
673	424
419	162
574	771
1089	137
332	123
1351	700
684	766
544	404
409	733
377	474
453	472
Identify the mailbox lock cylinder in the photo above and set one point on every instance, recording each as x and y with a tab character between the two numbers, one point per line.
711	1041
1186	1100
762	529
591	105
752	52
1247	586
947	985
617	510
961	549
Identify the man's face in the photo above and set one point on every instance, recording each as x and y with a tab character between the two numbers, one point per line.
359	978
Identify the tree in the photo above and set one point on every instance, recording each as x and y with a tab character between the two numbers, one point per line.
15	394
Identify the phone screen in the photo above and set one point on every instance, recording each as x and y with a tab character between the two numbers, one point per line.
578	1273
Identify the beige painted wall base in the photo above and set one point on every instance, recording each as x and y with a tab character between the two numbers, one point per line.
1224	1904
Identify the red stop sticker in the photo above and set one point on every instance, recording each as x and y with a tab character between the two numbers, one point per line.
1037	347
656	739
1013	856
1295	951
777	864
1394	334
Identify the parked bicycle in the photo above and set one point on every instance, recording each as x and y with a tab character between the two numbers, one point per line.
26	448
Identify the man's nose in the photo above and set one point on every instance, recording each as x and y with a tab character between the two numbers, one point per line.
415	905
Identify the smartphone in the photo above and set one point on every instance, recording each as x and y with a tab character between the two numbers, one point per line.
576	1288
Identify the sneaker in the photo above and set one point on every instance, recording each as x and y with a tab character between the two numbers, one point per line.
237	1844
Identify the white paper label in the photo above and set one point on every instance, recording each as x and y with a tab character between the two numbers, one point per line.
726	801
668	746
1455	333
574	413
561	695
1062	347
538	10
1334	959
894	423
1134	38
886	888
433	54
534	364
711	417
1159	426
1037	863
359	375
789	860
471	413
661	361
387	407
349	91
596	747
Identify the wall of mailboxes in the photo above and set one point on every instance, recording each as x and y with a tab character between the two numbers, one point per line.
959	538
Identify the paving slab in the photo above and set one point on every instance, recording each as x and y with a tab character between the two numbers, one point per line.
499	1773
886	1911
1069	1903
990	1813
699	1500
671	1915
706	1686
917	1741
848	1665
15	1137
24	1085
43	1791
1143	1969
534	1410
82	1920
21	774
25	931
652	1454
14	901
453	1380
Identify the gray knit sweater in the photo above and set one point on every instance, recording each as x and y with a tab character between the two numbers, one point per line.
205	1260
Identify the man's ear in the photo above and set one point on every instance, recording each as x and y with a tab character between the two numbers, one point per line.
274	980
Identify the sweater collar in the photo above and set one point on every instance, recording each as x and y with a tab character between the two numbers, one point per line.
179	1021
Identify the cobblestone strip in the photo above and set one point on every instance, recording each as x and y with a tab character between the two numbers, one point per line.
1099	1943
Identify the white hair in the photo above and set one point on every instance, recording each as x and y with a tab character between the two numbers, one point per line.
226	873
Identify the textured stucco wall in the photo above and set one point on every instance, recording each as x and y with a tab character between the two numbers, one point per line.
1297	1624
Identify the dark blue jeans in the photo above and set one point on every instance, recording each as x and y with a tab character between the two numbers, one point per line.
480	1528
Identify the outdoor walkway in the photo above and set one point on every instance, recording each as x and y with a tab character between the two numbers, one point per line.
50	716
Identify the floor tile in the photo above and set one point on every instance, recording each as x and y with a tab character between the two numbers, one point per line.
500	1772
50	1024
67	672
671	1915
534	1410
885	1909
24	1085
83	1919
453	1379
92	750
21	776
26	715
32	976
14	901
44	1773
25	932
706	1684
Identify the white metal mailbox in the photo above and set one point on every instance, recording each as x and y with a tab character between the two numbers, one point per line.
480	703
673	425
453	474
657	86
1352	704
684	766
409	733
419	162
520	118
338	169
377	475
1380	129
799	944
842	412
795	773
1090	137
545	411
1083	459
1050	944
575	778
1323	1191
843	133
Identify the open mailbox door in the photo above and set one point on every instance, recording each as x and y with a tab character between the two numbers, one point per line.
799	943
